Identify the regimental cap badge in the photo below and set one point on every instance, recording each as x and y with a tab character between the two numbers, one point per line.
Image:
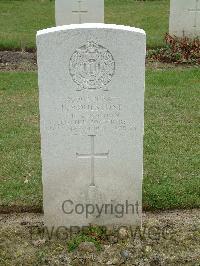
92	66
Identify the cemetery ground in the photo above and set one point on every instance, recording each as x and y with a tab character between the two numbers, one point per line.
171	195
171	175
171	181
19	20
167	238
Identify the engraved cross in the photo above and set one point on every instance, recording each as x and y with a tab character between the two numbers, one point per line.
196	10
79	11
92	156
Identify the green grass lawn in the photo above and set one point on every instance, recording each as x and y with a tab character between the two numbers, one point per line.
20	19
171	177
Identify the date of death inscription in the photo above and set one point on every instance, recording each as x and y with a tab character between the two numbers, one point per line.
88	115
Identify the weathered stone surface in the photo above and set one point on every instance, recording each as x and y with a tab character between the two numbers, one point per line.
79	11
185	18
91	80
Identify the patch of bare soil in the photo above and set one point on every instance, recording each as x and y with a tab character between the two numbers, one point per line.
17	61
167	238
27	61
157	65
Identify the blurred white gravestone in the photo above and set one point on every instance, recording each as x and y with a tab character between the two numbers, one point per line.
79	11
92	123
185	18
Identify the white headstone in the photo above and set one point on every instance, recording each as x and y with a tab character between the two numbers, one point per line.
79	11
91	81
185	18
